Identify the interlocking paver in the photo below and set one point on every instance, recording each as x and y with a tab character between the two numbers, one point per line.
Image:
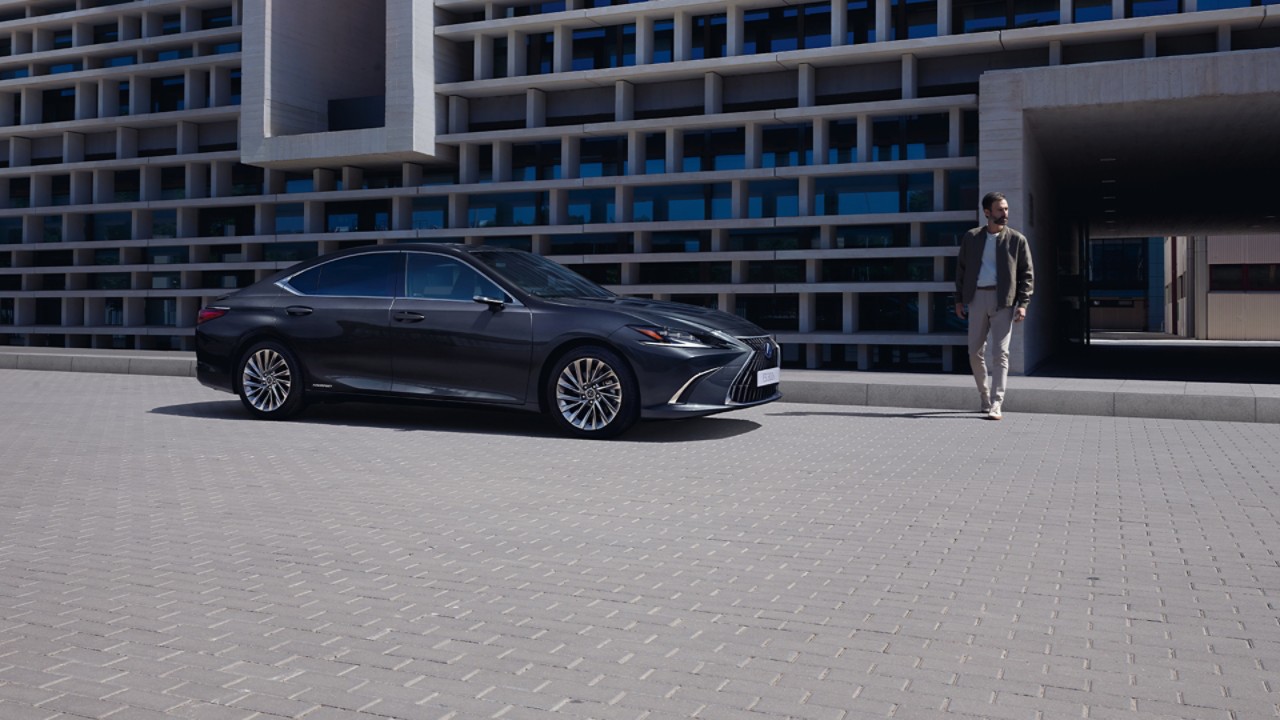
163	555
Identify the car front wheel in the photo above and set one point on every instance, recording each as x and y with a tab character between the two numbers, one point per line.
270	381
592	393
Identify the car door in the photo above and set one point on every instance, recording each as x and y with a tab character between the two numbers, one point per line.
446	345
337	321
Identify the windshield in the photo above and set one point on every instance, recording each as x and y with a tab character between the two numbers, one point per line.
539	276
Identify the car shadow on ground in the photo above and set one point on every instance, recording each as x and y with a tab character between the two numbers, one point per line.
391	416
889	413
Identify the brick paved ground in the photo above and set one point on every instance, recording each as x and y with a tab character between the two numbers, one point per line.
163	556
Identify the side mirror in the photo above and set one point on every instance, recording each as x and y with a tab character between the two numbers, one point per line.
493	303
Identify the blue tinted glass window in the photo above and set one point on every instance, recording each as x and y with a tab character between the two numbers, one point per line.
773	199
370	275
591	206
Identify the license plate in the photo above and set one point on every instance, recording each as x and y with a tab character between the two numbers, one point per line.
768	377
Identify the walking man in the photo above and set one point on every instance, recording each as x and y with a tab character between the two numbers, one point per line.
994	281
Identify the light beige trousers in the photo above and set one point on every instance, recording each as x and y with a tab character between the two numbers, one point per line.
989	323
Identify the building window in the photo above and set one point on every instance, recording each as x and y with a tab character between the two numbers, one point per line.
686	273
171	24
66	67
970	16
888	312
602	157
535	161
507	210
591	206
772	199
430	213
604	47
1149	8
59	105
1257	277
664	41
1091	10
842	141
910	137
786	145
167	94
771	312
173	183
873	236
216	18
913	19
591	244
108	32
861	28
800	238
710	36
712	201
62	39
539	53
714	150
358	216
779	29
289	219
879	270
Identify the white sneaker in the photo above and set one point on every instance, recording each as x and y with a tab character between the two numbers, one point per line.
986	402
994	412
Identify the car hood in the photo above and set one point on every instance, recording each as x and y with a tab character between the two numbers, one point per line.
663	313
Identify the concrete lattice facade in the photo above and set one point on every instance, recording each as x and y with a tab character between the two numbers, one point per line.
809	166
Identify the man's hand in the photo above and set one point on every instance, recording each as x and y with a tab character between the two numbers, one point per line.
1019	314
960	313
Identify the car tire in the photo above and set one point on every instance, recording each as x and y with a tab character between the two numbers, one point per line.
269	381
592	393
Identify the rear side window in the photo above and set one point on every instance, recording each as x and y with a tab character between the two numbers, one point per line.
370	275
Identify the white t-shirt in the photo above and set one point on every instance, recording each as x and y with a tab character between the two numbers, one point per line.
987	272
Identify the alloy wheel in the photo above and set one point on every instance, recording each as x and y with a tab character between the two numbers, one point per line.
267	380
589	394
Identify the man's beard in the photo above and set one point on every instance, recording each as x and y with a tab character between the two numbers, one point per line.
1002	221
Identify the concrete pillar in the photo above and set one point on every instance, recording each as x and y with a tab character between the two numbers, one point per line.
839	22
644	40
712	94
882	20
944	17
683	49
908	76
734	30
482	61
624	101
807	84
535	108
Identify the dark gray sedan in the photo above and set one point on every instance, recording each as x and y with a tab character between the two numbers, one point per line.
473	324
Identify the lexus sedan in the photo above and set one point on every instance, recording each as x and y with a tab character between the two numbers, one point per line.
478	325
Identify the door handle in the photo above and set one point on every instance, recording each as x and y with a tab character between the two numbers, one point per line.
408	317
298	310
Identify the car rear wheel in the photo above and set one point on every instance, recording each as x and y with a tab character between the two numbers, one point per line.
270	381
592	393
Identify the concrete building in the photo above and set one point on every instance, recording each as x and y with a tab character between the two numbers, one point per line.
807	165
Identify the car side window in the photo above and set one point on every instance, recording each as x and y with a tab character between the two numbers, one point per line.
371	275
437	277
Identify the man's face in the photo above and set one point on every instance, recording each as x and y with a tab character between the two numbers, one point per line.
998	214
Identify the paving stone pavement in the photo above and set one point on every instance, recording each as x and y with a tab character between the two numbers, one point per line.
163	556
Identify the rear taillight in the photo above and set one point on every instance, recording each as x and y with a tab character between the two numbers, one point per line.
210	313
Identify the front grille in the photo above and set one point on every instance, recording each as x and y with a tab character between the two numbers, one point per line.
744	390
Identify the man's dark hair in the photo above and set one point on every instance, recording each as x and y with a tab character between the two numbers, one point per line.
992	198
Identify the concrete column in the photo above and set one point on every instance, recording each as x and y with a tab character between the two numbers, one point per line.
1148	45
32	106
459	112
839	22
944	17
864	138
535	108
1117	9
882	20
821	140
126	142
675	150
482	61
955	132
502	161
1055	52
806	194
807	85
738	198
72	147
195	91
908	76
644	40
570	157
516	54
849	312
754	141
635	152
924	318
86	100
562	50
940	191
712	94
468	163
1066	9
734	30
624	101
188	140
1224	38
683	49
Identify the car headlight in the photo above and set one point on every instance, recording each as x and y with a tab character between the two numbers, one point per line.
679	338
